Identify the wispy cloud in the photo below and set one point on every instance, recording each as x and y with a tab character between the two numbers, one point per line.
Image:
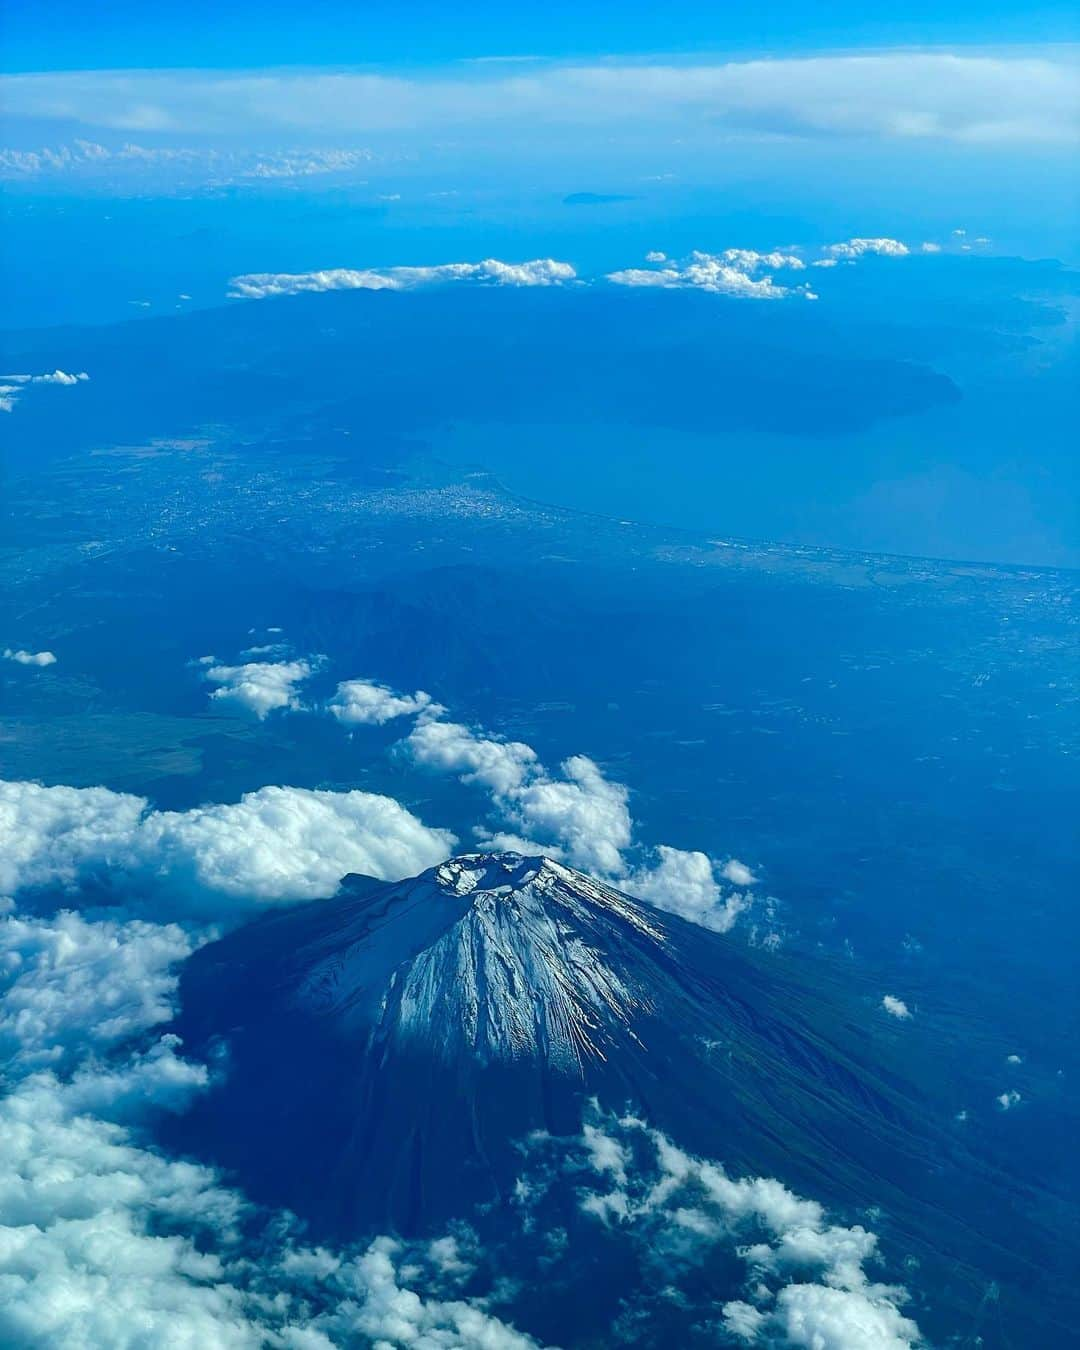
12	387
968	98
83	158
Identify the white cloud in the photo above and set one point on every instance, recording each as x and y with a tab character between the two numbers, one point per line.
363	702
263	649
12	387
503	841
261	687
285	843
450	747
24	658
1013	1059
685	883
655	256
578	816
605	1153
861	248
537	272
53	836
808	1283
585	812
388	1314
737	873
107	1242
113	1243
67	984
276	844
92	1248
1007	1100
929	247
95	1251
51	377
301	163
895	1007
902	95
735	272
819	1317
749	260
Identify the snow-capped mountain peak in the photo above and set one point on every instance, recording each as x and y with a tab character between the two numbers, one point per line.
494	955
385	1051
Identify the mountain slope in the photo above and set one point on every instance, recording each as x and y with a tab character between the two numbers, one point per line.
386	1052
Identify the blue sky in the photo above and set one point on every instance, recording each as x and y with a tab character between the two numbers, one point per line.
67	35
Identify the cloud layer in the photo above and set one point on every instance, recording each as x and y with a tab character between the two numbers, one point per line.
904	95
106	1241
740	273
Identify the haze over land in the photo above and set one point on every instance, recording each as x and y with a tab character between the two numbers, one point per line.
538	678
